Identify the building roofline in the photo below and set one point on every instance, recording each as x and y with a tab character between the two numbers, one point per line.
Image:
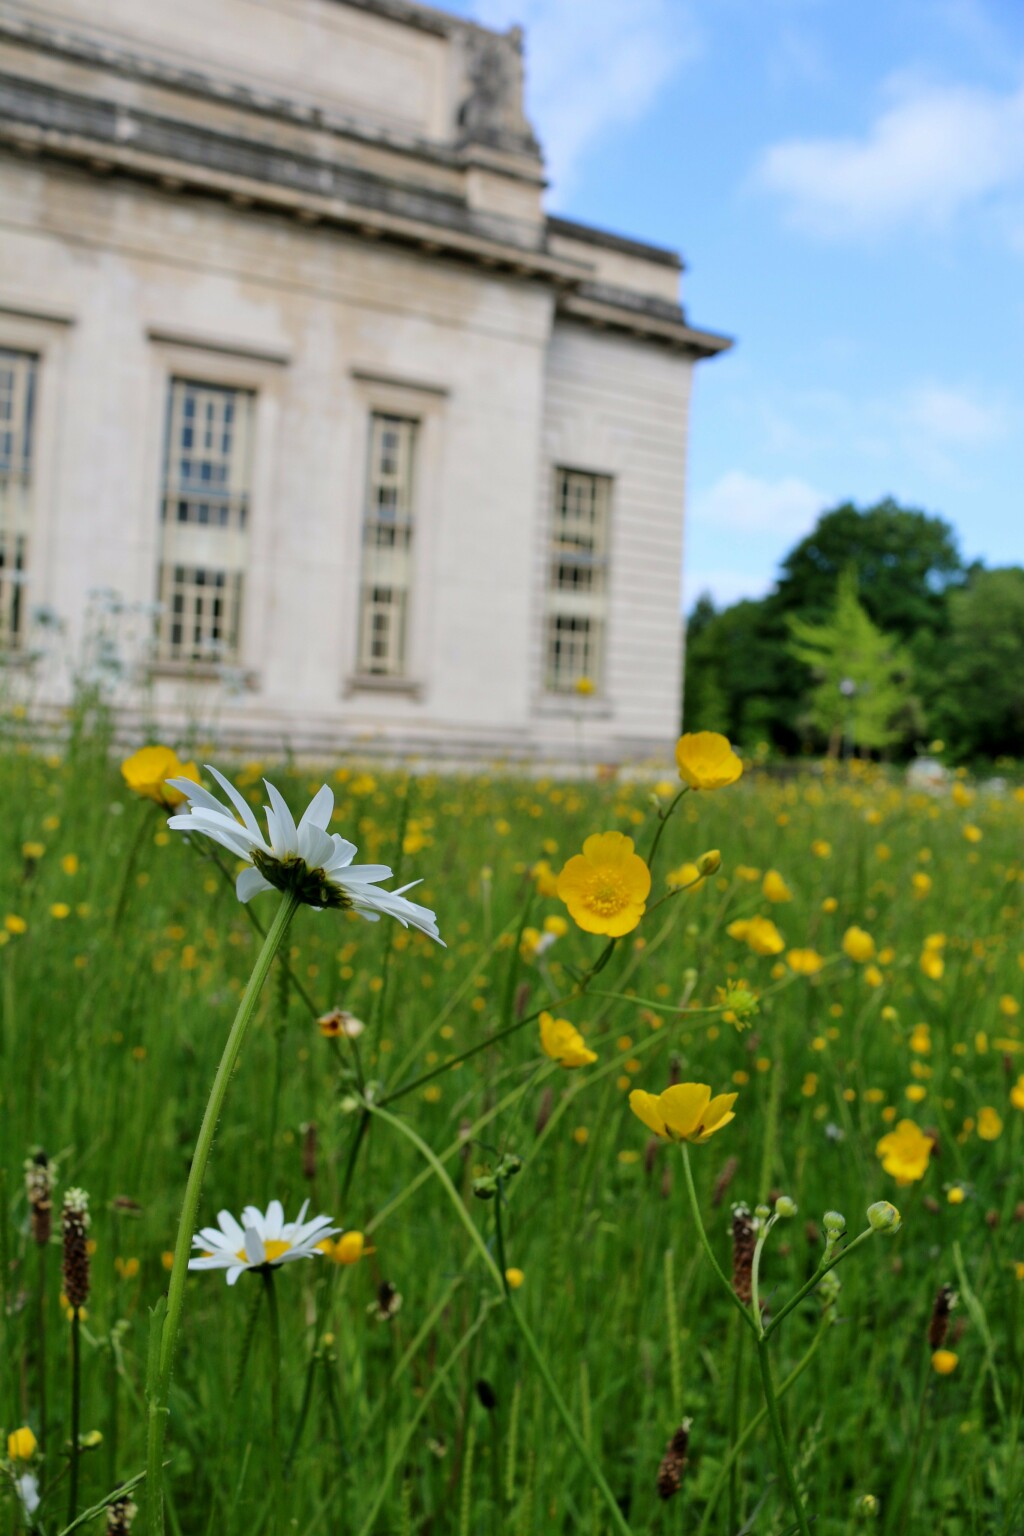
427	18
589	234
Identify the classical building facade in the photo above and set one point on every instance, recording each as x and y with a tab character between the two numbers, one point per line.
315	428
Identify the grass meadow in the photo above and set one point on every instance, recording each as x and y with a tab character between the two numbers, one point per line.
409	1399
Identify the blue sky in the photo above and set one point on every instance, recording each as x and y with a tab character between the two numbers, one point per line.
846	185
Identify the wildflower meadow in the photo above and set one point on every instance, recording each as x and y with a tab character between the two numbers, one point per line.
387	1152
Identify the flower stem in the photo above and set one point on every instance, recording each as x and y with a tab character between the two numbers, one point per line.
695	1208
819	1273
772	1405
76	1410
158	1404
275	1397
585	1453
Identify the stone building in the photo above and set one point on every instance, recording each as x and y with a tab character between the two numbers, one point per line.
366	450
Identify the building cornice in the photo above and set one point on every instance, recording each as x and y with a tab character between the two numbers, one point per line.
100	137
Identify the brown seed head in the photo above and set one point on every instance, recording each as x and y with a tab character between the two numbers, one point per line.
75	1225
39	1178
309	1150
120	1515
938	1326
673	1463
744	1241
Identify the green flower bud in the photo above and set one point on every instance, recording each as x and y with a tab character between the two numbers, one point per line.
867	1507
834	1223
884	1217
785	1206
762	1212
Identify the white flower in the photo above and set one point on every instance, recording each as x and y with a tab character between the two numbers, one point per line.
307	859
28	1492
259	1239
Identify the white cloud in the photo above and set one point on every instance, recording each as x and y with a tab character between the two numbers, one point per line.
742	503
952	417
593	66
932	153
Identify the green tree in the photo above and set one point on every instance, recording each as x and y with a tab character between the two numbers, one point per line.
977	689
860	673
906	563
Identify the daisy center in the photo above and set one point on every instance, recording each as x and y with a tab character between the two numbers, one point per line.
272	1246
607	894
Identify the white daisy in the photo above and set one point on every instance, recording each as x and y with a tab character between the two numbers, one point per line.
307	859
28	1492
259	1239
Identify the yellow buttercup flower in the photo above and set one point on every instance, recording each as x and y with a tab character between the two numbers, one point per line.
687	875
707	761
990	1124
515	1278
858	945
763	937
563	1042
805	962
944	1362
684	1112
905	1152
932	964
349	1248
1017	1093
606	886
21	1444
146	773
921	882
545	878
775	888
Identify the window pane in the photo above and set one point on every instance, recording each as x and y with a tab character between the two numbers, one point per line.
577	579
387	547
204	515
18	372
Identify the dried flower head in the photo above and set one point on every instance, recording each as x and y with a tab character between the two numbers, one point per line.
75	1267
39	1181
744	1241
673	1463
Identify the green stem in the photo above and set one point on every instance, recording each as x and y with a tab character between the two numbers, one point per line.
585	1453
275	1396
695	1208
158	1405
772	1405
76	1410
726	1469
663	819
819	1273
128	869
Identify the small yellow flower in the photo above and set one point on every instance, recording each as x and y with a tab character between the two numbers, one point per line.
545	878
147	771
684	1112
127	1269
905	1152
60	910
921	883
1017	1093
972	834
33	851
932	964
1009	1006
167	1259
873	976
921	1039
821	849
944	1362
15	924
21	1444
805	962
990	1125
606	886
585	686
349	1248
563	1042
69	863
775	888
556	925
829	905
706	760
515	1278
687	875
763	937
956	1195
858	945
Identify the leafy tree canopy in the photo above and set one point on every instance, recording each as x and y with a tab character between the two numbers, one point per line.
905	561
978	695
859	673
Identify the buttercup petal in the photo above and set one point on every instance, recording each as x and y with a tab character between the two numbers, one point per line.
647	1107
683	1106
